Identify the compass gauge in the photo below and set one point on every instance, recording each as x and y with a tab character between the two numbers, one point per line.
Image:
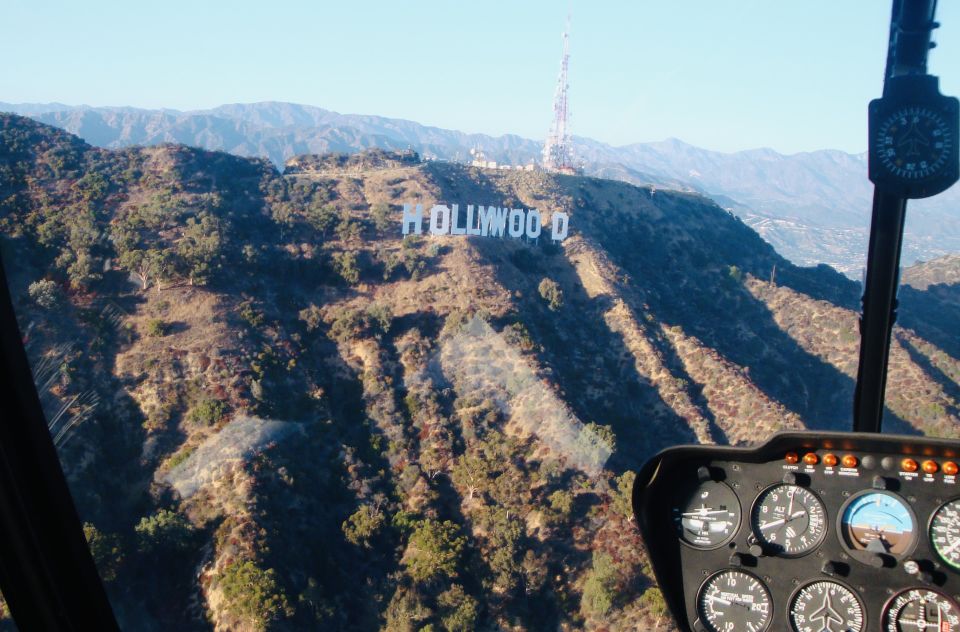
826	606
914	143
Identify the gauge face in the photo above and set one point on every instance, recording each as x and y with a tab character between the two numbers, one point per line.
945	533
734	601
878	522
826	606
921	609
789	519
709	517
913	143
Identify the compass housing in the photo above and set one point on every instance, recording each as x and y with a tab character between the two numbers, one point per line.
913	150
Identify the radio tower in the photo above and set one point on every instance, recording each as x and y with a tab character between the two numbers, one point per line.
558	148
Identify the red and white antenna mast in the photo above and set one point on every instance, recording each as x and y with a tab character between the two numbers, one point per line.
558	148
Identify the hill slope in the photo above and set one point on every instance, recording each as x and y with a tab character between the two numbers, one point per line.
307	421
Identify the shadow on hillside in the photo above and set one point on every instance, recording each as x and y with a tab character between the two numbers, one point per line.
933	313
951	388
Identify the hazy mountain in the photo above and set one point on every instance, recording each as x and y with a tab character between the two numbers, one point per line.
814	207
305	421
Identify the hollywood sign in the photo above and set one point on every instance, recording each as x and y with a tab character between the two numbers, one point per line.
487	221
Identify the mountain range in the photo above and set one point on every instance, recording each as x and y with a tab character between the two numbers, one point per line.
814	207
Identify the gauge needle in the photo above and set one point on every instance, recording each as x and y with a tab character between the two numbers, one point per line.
718	599
953	547
781	521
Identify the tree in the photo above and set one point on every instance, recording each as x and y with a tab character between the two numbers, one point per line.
322	218
381	216
44	293
534	572
458	610
434	550
550	292
106	552
345	263
623	495
149	265
311	316
600	588
652	600
199	248
363	525
472	472
164	533
253	594
347	229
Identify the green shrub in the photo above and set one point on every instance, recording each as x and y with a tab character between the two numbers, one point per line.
45	293
106	551
156	328
550	292
253	594
208	412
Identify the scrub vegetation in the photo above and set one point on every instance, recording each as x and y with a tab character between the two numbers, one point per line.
432	433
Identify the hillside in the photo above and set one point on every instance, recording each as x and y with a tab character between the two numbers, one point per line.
303	420
813	207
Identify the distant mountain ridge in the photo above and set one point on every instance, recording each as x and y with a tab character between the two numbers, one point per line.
813	207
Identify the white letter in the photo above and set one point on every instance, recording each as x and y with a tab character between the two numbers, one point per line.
416	219
533	223
493	221
454	220
472	227
442	213
516	222
561	226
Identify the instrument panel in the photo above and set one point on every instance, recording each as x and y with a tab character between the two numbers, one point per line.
826	532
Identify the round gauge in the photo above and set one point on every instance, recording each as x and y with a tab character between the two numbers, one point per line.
709	517
826	606
945	532
789	519
913	143
878	522
921	609
734	600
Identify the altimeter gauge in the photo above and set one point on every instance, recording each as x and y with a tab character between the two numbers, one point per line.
788	519
920	609
826	606
709	516
945	533
734	600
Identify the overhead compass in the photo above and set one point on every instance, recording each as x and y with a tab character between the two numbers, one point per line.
913	150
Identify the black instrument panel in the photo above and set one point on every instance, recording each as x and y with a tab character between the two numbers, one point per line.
808	532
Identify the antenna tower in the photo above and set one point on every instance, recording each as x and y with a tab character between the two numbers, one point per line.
558	148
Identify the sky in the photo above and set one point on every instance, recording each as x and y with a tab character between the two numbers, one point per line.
726	75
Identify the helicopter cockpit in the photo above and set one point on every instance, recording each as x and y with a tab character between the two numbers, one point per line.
835	531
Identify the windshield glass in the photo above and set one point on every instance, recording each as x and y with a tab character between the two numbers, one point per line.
311	370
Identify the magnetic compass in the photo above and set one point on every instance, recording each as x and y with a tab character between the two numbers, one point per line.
913	149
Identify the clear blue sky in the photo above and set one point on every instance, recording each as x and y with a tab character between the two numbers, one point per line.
722	74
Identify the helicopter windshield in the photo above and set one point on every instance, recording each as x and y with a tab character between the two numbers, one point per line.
313	370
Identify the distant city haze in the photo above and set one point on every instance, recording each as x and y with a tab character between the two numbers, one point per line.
721	75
